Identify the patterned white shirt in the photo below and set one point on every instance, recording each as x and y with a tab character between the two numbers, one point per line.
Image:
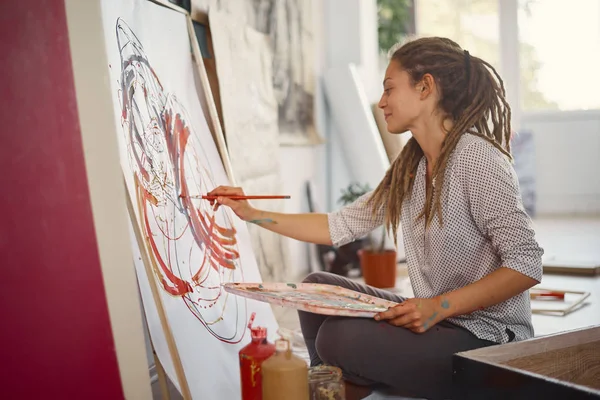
484	228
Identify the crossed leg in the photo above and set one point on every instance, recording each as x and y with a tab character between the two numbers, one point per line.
376	354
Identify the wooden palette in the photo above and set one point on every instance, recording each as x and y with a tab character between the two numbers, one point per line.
313	297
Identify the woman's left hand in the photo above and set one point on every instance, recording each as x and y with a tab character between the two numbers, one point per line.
418	315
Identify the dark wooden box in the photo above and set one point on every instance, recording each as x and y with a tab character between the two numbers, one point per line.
562	366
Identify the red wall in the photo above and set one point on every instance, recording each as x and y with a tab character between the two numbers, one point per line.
55	335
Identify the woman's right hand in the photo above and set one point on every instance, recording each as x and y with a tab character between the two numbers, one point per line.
241	208
311	227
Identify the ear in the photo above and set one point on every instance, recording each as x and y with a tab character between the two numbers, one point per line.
426	87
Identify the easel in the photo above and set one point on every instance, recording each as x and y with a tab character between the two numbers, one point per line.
210	111
160	371
162	377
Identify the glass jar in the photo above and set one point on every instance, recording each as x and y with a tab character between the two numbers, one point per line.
325	383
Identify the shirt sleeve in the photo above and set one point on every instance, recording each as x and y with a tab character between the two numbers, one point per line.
353	221
496	206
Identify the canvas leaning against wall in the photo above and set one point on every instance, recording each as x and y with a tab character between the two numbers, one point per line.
167	151
291	29
290	25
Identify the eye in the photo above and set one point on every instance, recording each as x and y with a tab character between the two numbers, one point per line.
387	91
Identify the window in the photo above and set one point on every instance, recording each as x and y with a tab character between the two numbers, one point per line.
559	54
395	21
558	49
473	24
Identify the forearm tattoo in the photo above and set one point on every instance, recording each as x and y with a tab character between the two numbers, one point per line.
263	221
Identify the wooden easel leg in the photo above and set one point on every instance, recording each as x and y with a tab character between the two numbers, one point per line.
162	377
160	371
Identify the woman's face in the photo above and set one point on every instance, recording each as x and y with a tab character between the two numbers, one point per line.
401	100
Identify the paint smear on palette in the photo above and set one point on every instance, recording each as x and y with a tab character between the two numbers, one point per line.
313	297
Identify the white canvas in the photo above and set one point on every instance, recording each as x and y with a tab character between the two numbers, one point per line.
167	150
250	117
354	120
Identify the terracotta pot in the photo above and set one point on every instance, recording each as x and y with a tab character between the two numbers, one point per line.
379	269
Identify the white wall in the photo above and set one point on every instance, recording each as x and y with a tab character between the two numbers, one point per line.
351	38
567	151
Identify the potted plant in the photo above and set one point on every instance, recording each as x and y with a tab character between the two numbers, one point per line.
378	263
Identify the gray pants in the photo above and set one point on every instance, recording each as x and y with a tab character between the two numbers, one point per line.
380	355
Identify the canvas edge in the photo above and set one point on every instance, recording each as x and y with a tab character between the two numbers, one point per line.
107	192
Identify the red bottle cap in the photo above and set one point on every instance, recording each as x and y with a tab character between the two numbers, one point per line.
258	333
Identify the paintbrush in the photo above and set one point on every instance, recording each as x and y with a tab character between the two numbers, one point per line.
540	294
238	197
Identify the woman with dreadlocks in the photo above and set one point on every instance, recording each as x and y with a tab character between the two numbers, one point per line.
471	249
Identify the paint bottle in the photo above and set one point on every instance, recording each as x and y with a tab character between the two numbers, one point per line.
251	359
285	376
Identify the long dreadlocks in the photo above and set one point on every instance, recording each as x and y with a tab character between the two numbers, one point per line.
471	94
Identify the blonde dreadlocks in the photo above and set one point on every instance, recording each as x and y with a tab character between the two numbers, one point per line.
471	94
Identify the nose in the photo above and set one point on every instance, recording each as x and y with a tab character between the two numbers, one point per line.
381	103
